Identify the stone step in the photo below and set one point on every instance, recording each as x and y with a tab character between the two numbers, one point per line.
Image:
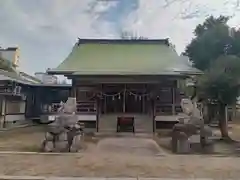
143	131
109	129
143	123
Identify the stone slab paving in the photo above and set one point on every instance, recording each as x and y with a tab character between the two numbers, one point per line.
132	145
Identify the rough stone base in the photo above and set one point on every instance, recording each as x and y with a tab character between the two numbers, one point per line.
76	145
183	146
62	144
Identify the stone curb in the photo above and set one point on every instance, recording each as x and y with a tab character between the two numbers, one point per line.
22	178
91	178
16	127
81	154
38	153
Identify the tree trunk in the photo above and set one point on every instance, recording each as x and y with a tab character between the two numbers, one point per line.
223	125
208	113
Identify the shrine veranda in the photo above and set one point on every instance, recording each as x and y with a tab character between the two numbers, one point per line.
126	79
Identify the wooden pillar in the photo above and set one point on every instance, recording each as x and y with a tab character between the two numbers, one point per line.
173	101
173	98
99	108
97	120
153	104
3	112
124	99
104	100
73	92
226	115
38	109
143	100
154	123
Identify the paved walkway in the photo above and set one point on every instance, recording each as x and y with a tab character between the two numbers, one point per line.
131	145
120	165
117	157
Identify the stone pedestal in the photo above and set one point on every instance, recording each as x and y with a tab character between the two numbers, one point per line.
61	146
47	146
77	143
55	143
180	142
183	146
64	133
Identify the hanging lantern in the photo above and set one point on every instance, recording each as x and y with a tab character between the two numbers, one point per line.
140	98
119	96
113	98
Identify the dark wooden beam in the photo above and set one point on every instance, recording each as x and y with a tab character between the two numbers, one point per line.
74	88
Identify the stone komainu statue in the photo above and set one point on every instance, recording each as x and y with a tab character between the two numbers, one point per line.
64	134
193	124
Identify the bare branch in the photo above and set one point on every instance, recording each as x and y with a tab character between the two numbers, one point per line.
171	2
237	3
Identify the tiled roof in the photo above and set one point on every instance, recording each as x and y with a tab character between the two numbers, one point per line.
21	78
29	77
14	76
123	57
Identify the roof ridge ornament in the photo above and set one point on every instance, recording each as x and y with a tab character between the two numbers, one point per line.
78	43
139	40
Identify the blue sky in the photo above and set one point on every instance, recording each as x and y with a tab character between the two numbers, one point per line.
46	30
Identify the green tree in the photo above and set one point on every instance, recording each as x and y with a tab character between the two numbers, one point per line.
211	40
216	51
210	23
220	85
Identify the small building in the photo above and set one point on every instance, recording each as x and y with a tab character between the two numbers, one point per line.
9	58
115	80
24	97
14	91
46	100
46	78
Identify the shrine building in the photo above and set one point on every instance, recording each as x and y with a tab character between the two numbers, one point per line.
125	85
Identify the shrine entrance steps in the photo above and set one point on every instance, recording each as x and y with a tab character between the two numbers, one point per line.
143	123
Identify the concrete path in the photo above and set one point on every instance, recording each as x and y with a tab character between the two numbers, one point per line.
97	164
132	145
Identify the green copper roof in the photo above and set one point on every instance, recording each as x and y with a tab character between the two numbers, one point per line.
122	57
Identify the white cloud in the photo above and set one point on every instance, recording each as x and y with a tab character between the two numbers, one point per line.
177	21
46	30
45	36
